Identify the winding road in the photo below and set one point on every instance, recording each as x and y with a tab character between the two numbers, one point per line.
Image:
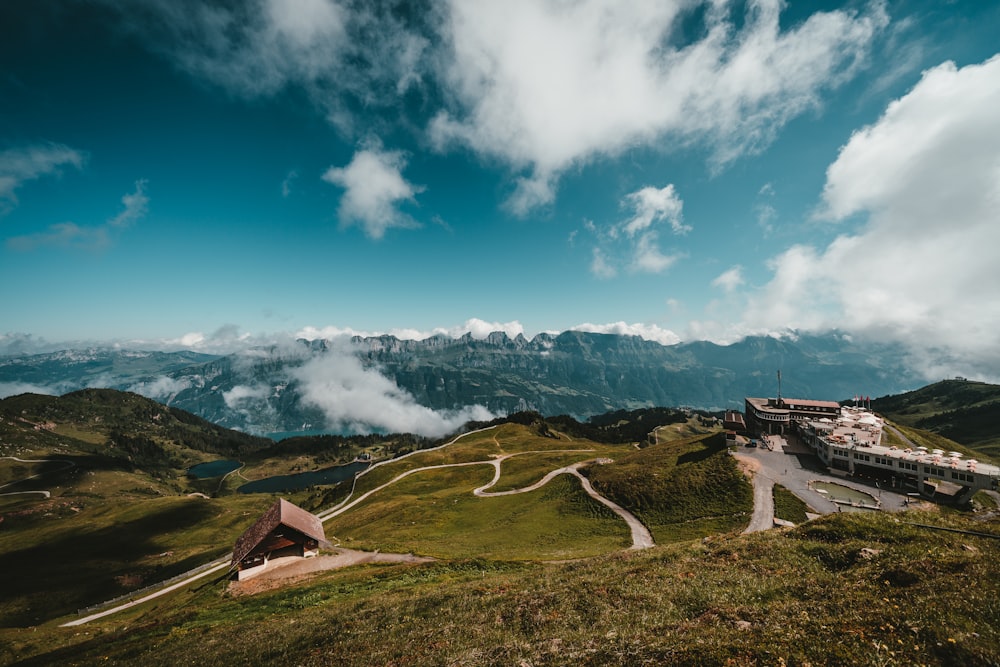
641	538
47	494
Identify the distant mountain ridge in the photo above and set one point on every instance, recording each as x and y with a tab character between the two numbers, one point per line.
576	373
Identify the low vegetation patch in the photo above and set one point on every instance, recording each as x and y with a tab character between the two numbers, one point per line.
679	484
849	589
788	506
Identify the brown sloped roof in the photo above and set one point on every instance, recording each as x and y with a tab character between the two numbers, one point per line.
280	513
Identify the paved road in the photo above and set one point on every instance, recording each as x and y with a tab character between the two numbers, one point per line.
763	504
792	465
69	464
641	537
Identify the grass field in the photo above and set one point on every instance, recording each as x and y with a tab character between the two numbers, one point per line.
538	578
434	512
680	489
788	506
69	553
849	589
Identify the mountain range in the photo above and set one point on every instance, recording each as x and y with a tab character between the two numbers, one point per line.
377	383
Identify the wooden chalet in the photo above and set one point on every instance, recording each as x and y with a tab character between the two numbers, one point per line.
283	530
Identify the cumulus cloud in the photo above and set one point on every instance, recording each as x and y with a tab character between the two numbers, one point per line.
654	205
544	86
19	165
730	279
337	52
925	181
650	332
635	241
83	237
373	188
360	399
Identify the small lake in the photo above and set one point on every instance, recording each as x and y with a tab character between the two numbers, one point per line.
303	480
213	469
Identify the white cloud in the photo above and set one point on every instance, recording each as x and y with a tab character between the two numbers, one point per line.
374	186
163	388
647	256
655	205
62	235
353	397
135	206
250	48
764	209
82	237
546	85
478	328
481	329
730	279
649	332
634	242
335	51
922	268
241	394
19	165
600	266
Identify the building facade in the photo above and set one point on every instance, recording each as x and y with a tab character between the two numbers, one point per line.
775	416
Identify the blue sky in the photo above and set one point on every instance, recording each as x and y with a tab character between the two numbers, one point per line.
231	173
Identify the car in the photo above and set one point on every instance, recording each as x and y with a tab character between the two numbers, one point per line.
752	443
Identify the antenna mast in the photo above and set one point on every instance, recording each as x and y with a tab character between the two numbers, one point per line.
779	386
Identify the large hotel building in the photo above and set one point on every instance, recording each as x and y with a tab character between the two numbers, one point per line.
849	439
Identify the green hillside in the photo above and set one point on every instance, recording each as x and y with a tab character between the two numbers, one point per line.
544	577
850	589
964	411
679	489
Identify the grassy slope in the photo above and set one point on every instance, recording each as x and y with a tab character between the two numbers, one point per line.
807	595
679	489
118	519
435	513
788	506
964	411
66	554
810	595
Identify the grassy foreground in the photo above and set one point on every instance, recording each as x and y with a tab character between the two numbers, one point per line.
849	589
